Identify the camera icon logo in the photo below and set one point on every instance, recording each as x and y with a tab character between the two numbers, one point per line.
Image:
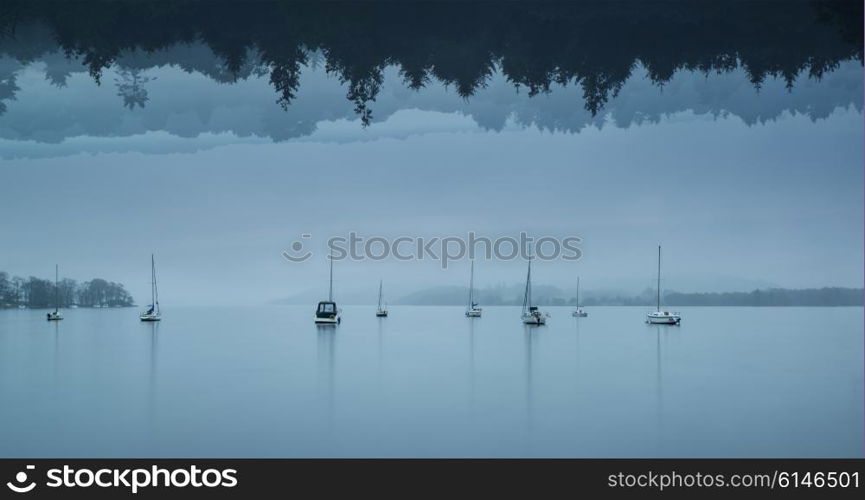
20	479
297	253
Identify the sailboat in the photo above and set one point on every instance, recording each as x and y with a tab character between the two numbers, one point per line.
579	313
531	314
381	312
472	309
327	313
55	315
659	317
152	312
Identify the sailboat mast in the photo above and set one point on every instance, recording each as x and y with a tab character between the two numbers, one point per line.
578	292
379	295
56	288
154	290
529	284
330	286
472	286
659	279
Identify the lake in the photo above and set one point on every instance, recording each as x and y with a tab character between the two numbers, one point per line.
428	382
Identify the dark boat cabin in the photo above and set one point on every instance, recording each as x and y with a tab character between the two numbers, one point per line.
326	310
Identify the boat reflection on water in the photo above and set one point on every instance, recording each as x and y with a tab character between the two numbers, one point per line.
326	356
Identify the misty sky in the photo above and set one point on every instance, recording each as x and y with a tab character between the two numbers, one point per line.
743	189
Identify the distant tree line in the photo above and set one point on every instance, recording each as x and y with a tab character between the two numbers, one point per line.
37	293
536	45
771	297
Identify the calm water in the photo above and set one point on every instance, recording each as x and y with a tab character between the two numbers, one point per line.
751	382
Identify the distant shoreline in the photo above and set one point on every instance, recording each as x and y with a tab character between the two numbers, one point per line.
552	296
596	305
593	305
547	296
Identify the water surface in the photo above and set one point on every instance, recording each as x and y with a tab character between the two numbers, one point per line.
428	382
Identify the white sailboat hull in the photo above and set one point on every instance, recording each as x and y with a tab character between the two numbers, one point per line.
149	317
533	319
579	313
663	318
381	314
54	316
473	313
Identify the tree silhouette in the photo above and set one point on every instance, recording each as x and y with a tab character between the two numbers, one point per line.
536	45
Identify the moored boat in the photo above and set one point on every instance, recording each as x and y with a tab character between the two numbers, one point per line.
659	317
579	312
55	314
472	309
531	314
327	312
380	312
152	312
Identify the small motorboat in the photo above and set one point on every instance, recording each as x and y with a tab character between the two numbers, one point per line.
327	313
